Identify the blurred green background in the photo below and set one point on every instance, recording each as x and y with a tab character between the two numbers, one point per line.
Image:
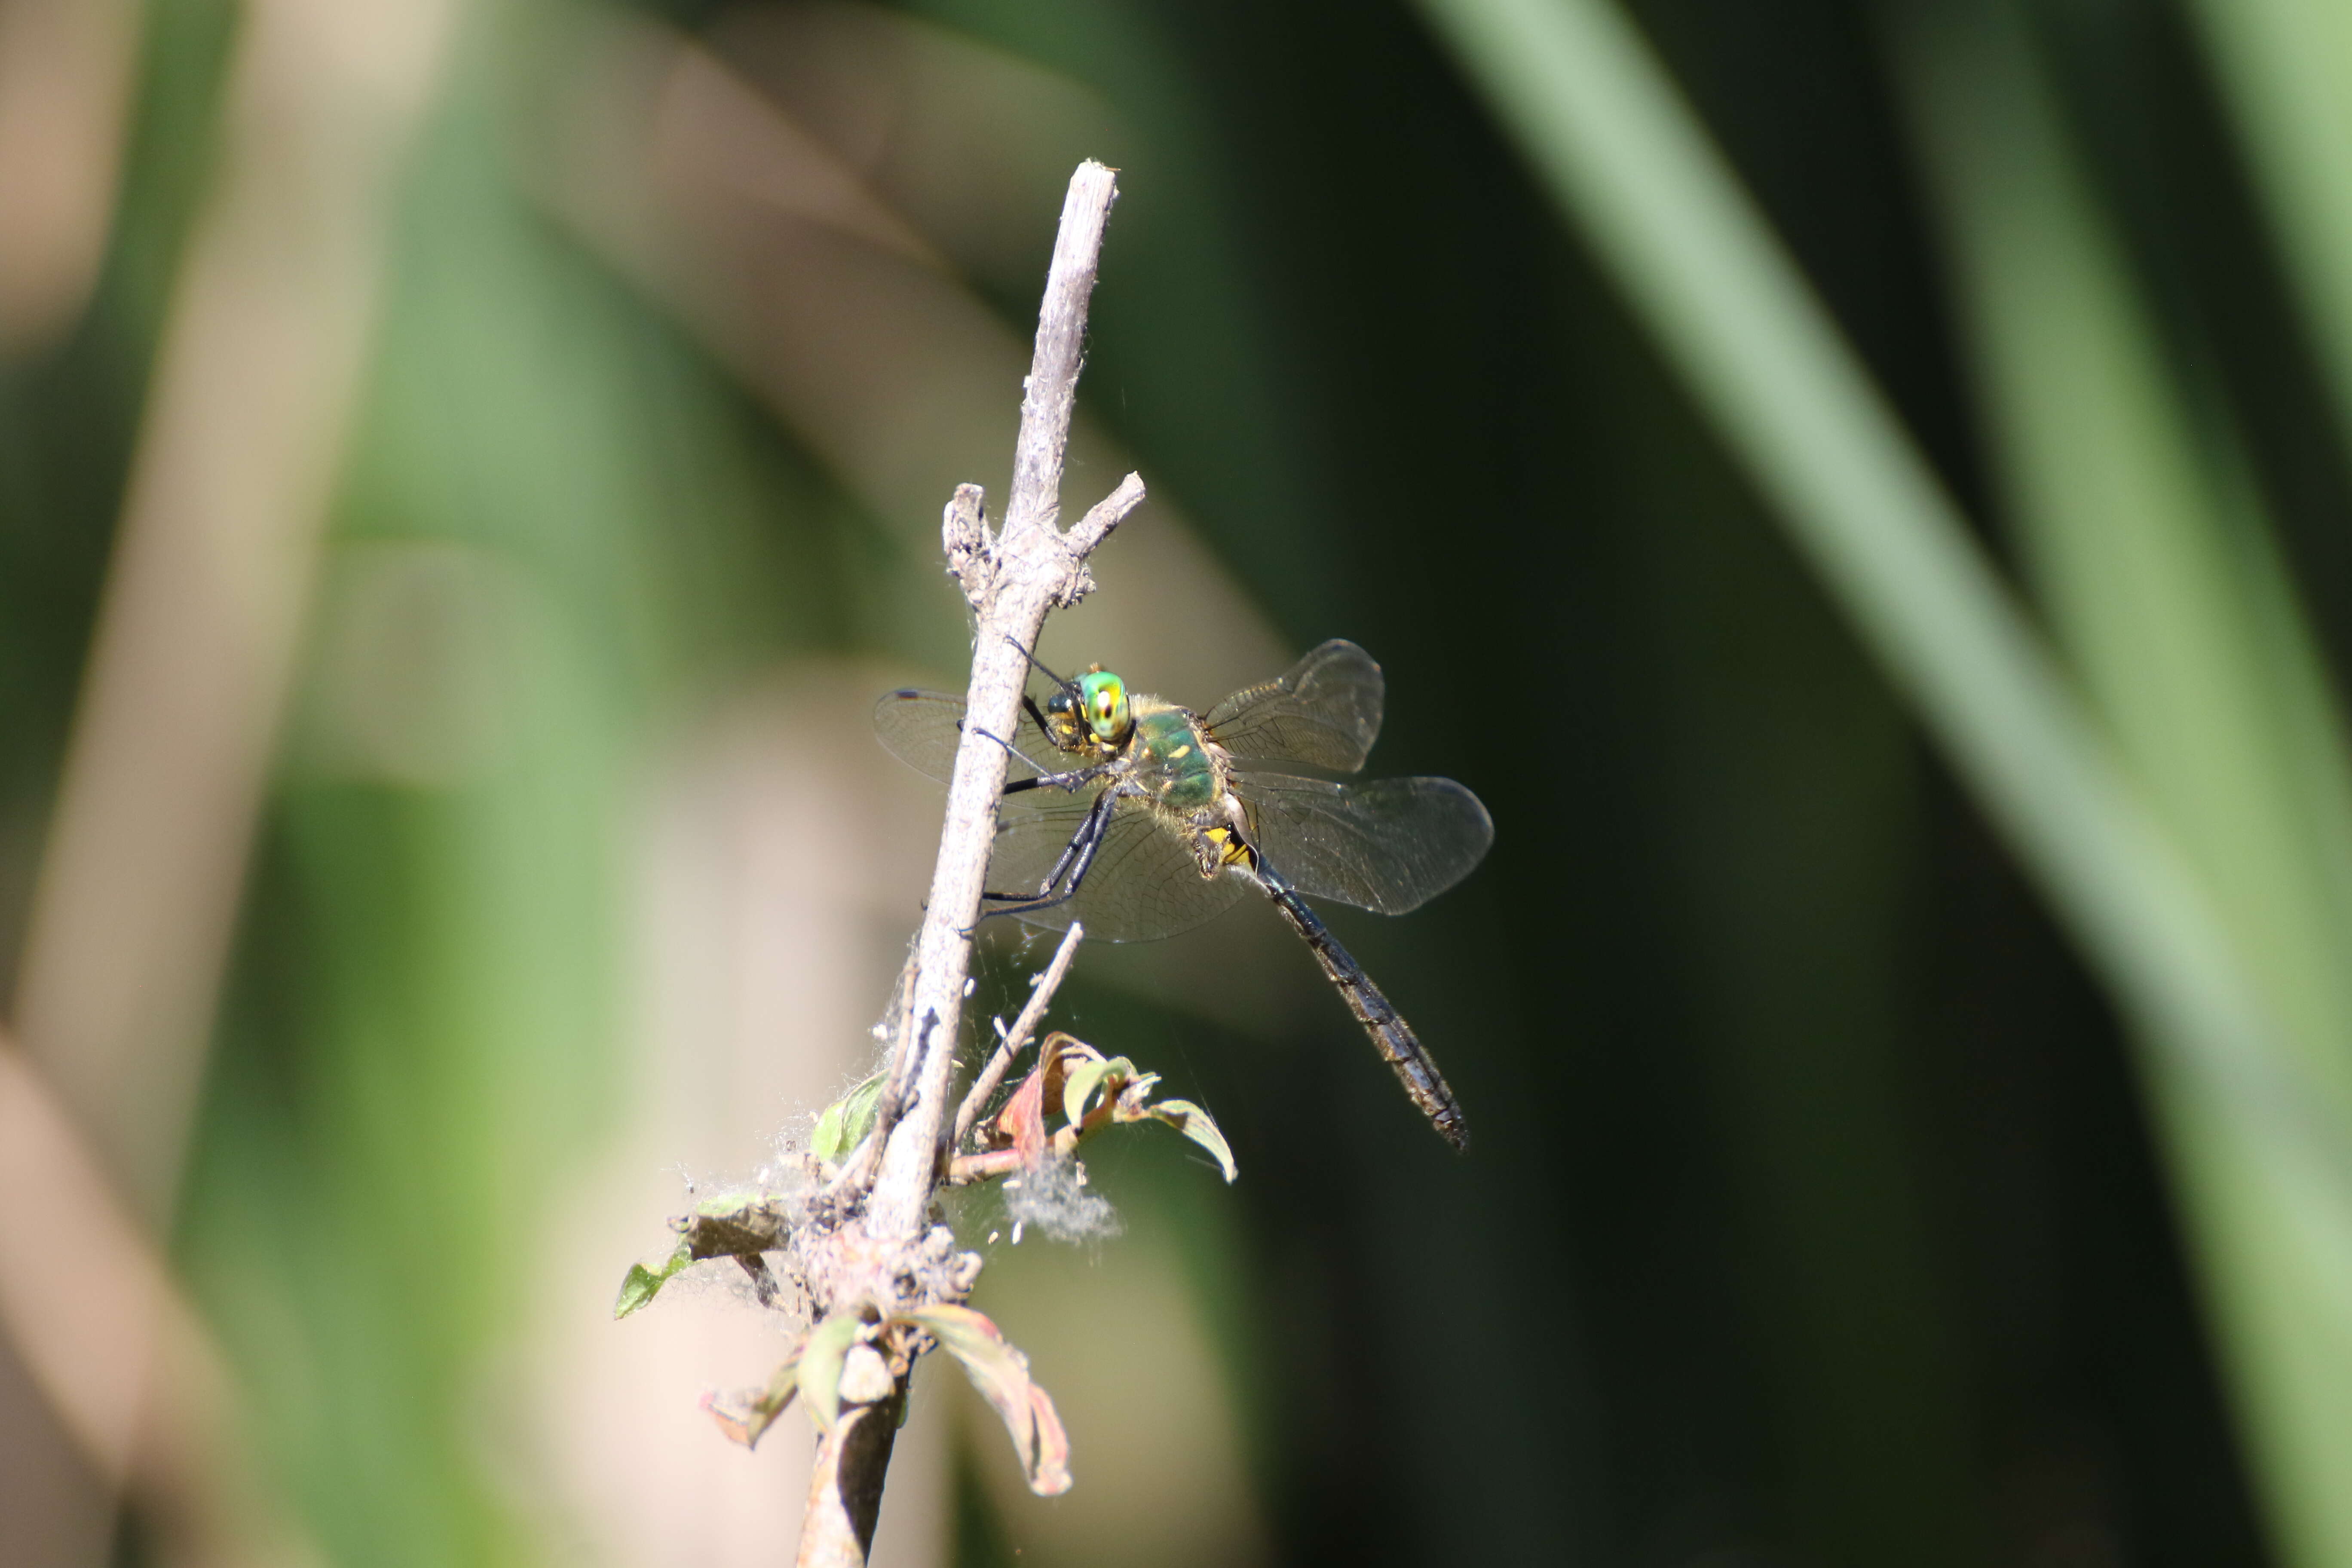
1903	1021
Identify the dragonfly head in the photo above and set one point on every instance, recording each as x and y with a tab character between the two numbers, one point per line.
1102	700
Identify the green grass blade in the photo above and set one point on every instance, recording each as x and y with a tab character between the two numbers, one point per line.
2125	867
1606	129
2286	68
2148	547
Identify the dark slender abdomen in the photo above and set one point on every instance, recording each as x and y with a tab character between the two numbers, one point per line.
1390	1034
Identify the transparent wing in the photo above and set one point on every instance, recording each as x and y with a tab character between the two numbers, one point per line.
1142	886
1389	846
922	728
1325	711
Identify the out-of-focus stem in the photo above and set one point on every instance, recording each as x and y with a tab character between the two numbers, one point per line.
252	396
65	79
115	1349
254	383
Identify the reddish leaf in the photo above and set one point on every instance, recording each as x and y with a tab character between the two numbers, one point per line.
1000	1373
1052	1475
1024	1119
745	1417
1057	1057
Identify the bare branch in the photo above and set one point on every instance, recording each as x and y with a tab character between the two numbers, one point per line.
1092	530
857	1171
1045	984
1031	567
1011	580
963	531
1107	514
1053	387
845	1499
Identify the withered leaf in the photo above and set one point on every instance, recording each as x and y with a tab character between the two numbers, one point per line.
1000	1373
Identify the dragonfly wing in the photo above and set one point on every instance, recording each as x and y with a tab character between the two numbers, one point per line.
1142	886
923	729
1325	711
1390	846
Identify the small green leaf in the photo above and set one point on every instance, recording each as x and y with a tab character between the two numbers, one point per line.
1196	1124
819	1374
1079	1089
843	1125
1058	1055
643	1284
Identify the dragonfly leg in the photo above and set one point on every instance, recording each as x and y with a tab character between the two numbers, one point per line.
1015	753
1036	716
1078	856
1073	781
1070	687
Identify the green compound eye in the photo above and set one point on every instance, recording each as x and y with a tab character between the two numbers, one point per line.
1105	699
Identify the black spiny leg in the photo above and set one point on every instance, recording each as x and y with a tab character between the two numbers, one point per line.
1016	754
1078	856
1038	718
1045	777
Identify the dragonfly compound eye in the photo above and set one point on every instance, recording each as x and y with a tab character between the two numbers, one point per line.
1105	704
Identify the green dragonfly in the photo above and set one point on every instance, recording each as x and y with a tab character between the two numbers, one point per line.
1143	819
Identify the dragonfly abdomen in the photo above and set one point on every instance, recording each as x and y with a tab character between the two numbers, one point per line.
1390	1034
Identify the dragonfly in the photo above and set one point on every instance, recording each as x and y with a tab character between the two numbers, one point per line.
1144	819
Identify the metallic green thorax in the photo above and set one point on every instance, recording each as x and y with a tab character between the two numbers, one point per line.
1171	759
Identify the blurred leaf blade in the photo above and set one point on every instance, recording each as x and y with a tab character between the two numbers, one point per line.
2285	66
1607	131
2150	550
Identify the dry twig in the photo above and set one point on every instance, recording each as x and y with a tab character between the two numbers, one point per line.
880	1256
1031	1013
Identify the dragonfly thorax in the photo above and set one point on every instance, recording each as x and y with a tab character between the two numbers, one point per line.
1187	778
1169	757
